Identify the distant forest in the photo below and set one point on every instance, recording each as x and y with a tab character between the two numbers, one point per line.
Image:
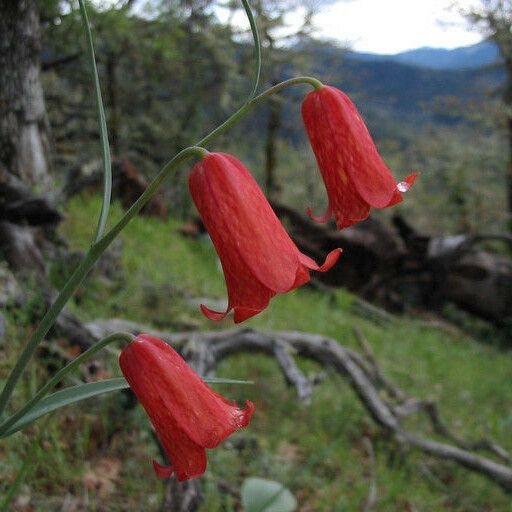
167	79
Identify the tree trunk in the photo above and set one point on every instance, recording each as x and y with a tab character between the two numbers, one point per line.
115	115
509	170
274	121
507	102
24	140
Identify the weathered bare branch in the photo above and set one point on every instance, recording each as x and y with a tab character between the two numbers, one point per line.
373	497
379	376
412	406
291	372
348	363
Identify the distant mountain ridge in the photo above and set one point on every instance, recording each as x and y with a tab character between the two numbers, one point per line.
396	96
467	57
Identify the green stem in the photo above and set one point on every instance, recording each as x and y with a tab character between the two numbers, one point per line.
97	249
247	107
105	149
82	358
81	271
257	47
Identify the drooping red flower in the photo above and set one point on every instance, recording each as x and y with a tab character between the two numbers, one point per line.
355	176
187	415
258	257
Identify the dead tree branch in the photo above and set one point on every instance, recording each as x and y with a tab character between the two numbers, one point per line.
387	409
373	498
291	372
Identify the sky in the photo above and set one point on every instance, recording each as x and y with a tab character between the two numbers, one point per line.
390	26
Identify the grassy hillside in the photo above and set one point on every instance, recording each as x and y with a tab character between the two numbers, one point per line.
99	453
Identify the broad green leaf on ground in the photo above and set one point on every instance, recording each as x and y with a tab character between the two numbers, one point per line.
260	495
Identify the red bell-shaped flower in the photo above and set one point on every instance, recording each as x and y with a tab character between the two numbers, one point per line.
355	176
187	415
258	257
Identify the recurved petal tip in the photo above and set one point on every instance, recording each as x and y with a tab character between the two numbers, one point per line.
246	414
401	187
407	183
330	260
213	315
322	218
162	471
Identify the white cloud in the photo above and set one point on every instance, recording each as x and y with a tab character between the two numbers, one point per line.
391	26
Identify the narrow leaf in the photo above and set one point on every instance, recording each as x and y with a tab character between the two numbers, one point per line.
80	392
65	397
221	380
257	47
107	164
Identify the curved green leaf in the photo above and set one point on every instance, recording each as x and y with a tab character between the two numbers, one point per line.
65	397
80	392
85	356
257	47
107	164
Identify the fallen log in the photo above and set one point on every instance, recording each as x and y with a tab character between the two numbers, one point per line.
20	248
370	249
19	204
400	268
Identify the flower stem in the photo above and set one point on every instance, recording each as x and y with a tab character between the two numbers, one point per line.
98	247
247	107
82	358
95	251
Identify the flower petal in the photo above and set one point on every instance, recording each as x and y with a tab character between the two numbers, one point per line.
188	459
214	315
242	314
247	234
361	160
331	151
330	260
180	405
405	185
322	218
162	471
302	276
349	207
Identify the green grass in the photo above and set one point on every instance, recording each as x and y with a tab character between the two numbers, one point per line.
317	451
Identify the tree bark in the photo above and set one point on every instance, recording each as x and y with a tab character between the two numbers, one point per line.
24	139
273	124
115	115
509	169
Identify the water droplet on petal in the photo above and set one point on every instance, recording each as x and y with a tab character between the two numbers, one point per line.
403	186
